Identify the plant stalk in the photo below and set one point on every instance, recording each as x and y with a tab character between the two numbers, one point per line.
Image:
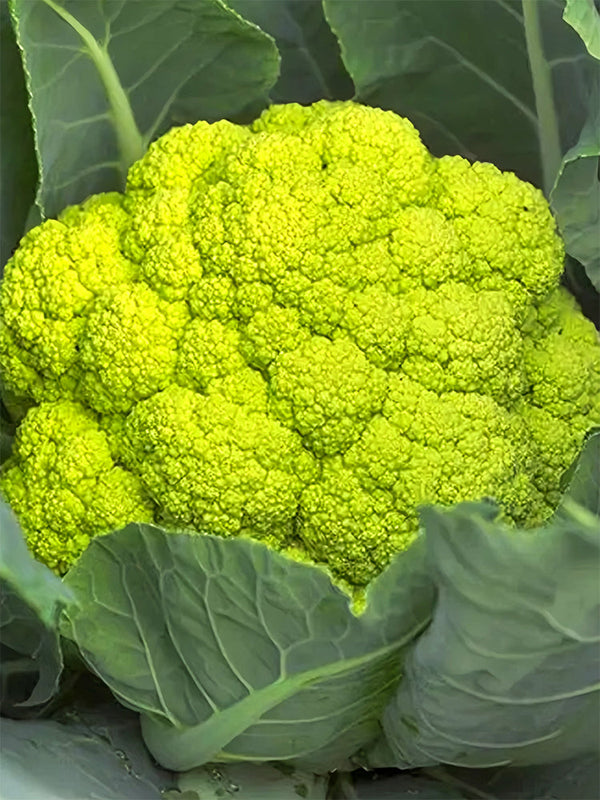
541	74
131	143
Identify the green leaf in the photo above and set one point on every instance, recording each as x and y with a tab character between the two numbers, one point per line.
31	663
575	197
18	165
33	582
234	652
572	779
583	16
583	478
506	81
577	281
508	670
403	786
106	78
7	432
457	68
461	71
31	598
311	65
59	761
249	782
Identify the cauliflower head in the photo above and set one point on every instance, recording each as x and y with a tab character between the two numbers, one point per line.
299	331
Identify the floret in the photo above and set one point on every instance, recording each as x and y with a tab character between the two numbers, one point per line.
562	361
378	323
129	347
270	332
216	465
327	391
504	224
355	531
64	485
55	276
464	339
208	350
297	330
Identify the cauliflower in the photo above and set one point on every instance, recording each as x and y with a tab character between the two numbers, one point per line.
297	331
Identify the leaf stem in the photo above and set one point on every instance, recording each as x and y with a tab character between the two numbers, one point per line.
547	121
132	144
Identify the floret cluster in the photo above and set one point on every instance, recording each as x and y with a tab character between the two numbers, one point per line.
299	331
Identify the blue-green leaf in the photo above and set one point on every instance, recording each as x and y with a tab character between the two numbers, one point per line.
232	651
494	80
17	155
40	588
457	68
583	478
69	761
403	786
507	673
569	779
106	78
311	65
31	599
575	196
249	782
584	17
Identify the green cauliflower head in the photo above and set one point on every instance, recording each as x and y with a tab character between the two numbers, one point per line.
297	330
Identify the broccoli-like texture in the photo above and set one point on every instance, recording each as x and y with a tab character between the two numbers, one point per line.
296	330
64	485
